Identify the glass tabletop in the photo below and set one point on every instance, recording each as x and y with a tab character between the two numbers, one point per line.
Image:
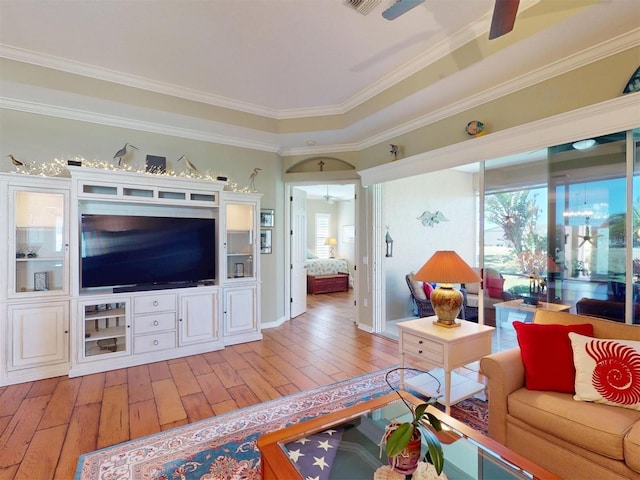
350	450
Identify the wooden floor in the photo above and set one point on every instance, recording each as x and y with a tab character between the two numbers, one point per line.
46	425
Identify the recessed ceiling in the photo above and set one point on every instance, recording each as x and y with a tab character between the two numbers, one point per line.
296	59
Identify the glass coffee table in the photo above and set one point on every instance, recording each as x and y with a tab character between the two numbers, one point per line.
344	445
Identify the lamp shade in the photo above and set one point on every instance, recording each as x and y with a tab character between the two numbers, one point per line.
446	266
331	241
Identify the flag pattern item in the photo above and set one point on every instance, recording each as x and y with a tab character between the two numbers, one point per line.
313	455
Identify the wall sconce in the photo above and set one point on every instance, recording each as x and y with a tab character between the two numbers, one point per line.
389	241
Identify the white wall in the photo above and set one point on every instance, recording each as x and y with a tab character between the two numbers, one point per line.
450	192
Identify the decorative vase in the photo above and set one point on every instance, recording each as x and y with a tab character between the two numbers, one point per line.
406	462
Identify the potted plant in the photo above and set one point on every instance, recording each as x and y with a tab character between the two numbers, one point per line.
403	441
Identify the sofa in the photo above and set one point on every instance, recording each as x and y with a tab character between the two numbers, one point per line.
609	309
573	439
493	293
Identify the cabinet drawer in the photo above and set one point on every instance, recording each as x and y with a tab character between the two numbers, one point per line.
423	347
153	342
154	303
154	323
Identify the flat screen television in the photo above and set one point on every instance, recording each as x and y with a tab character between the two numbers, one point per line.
146	252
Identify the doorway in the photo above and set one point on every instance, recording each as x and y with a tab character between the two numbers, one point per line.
320	219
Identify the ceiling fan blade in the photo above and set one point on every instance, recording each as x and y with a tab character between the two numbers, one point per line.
504	17
399	8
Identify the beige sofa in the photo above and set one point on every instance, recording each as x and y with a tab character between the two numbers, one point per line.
573	439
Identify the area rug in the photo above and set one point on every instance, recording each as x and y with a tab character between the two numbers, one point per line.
225	447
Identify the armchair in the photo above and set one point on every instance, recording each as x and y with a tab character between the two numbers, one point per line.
493	293
423	304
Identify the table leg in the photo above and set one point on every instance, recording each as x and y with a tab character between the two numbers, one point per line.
447	392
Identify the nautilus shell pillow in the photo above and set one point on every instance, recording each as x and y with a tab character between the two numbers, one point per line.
607	371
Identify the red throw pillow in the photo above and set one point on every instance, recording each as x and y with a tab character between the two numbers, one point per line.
547	355
428	288
495	286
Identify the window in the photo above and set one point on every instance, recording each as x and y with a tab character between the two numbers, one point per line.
323	221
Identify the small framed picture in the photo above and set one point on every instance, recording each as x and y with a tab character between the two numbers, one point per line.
40	281
265	241
266	218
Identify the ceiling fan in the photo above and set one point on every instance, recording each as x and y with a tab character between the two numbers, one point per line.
504	14
328	198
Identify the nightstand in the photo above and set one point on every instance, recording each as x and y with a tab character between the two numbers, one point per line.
445	349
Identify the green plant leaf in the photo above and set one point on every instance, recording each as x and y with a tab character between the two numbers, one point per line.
399	439
435	423
435	449
419	411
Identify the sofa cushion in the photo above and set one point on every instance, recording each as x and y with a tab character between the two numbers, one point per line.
547	355
495	287
428	288
607	371
598	428
418	289
632	447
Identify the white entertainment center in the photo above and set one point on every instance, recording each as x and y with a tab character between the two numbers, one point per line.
53	326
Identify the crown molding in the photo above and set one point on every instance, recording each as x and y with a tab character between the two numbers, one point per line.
619	114
115	121
573	62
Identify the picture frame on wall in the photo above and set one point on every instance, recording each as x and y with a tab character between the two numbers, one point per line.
267	217
265	241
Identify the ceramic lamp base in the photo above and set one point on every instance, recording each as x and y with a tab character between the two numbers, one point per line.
446	302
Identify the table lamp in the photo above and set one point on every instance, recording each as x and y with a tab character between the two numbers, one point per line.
332	242
446	267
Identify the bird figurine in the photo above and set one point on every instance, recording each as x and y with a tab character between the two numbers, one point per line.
15	161
188	164
252	178
394	151
122	152
430	219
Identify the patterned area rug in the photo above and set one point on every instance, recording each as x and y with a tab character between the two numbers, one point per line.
224	447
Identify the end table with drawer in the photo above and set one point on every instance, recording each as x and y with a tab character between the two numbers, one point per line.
443	349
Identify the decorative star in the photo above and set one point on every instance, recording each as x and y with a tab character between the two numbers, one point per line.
319	462
303	441
330	432
325	445
294	455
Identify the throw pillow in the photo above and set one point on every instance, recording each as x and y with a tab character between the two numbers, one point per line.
607	371
495	286
418	289
547	355
428	288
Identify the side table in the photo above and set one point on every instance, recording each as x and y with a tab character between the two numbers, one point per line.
448	349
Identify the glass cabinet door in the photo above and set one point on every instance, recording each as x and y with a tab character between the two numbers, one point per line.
40	242
240	252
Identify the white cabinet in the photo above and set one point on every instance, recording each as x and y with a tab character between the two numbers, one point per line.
38	335
154	322
38	241
105	330
198	318
241	267
241	315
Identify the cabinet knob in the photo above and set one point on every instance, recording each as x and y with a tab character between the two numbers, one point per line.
179	319
155	303
66	331
420	342
420	351
156	323
156	342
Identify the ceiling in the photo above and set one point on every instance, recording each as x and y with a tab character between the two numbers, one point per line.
346	78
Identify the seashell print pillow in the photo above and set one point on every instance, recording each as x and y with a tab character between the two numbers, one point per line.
607	370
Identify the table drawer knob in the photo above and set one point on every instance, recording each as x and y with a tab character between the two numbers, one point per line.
156	323
420	351
420	342
155	303
156	342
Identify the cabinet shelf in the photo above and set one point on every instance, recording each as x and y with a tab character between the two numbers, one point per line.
40	259
103	333
105	314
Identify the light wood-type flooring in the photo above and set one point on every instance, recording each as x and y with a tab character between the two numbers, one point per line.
45	425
